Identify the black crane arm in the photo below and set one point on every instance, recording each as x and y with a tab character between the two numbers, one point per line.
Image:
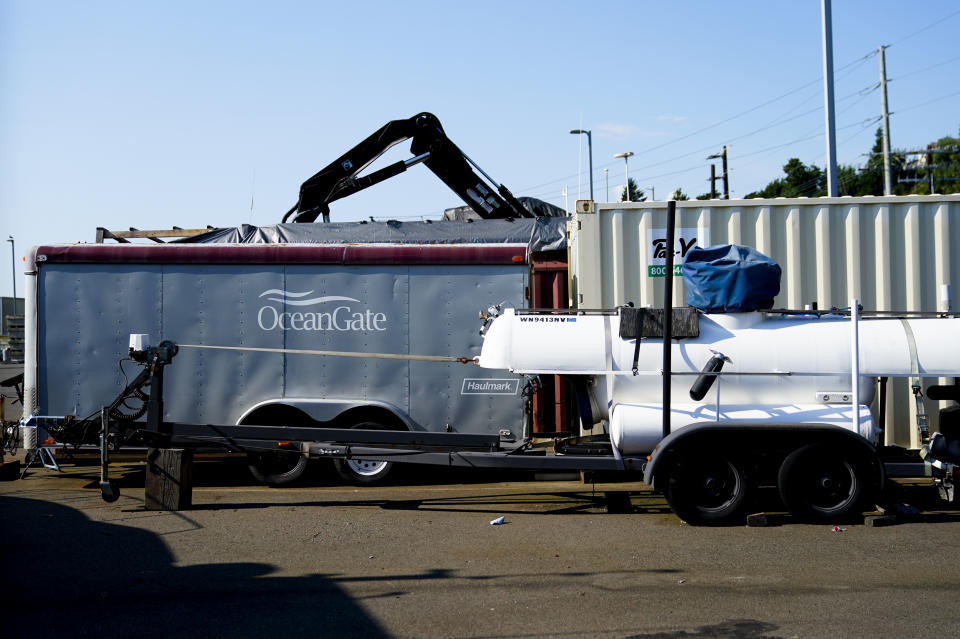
429	145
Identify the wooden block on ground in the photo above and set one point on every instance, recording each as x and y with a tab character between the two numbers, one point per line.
169	479
758	520
877	521
618	501
10	470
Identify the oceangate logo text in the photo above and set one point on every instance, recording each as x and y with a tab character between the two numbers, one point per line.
339	318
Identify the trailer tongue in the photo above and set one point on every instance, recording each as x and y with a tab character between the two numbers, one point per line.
448	449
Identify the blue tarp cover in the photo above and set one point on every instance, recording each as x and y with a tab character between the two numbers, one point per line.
730	279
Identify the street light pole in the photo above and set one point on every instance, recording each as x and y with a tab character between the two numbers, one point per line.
626	167
13	271
589	152
606	177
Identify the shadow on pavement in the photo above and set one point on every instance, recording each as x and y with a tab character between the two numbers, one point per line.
232	471
540	502
66	575
736	629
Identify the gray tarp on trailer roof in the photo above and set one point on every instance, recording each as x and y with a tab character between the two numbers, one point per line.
538	208
539	234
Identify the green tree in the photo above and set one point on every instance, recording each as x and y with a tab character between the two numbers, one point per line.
679	195
911	173
869	179
636	195
799	180
942	159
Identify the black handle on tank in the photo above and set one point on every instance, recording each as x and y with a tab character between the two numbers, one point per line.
705	380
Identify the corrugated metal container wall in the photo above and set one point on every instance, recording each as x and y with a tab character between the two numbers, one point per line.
891	253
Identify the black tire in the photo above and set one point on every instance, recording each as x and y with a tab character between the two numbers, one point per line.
707	490
364	472
276	468
824	484
281	467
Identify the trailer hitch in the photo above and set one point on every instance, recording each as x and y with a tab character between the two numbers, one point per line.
153	359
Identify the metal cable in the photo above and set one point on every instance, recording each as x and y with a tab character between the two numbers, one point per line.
301	351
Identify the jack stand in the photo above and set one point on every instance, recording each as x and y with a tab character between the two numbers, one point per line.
44	457
946	487
108	490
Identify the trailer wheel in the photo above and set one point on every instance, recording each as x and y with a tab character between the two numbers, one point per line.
364	472
820	484
707	490
276	468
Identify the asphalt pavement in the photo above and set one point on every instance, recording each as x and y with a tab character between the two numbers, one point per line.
421	559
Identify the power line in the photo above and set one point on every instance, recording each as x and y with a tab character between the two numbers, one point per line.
923	104
929	26
848	68
730	119
752	109
863	93
933	66
773	123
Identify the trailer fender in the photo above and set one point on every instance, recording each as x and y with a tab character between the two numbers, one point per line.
280	468
755	439
326	411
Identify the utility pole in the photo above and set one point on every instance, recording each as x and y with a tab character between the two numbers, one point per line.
827	35
887	179
726	184
606	178
713	177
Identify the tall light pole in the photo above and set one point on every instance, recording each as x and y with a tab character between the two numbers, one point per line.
589	152
13	271
831	125
606	177
626	167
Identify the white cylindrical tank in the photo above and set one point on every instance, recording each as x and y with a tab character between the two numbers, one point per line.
802	345
637	428
792	368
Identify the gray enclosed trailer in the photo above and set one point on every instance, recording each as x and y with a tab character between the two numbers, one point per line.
363	288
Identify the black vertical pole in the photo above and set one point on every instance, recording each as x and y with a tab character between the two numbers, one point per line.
668	315
155	402
713	181
726	184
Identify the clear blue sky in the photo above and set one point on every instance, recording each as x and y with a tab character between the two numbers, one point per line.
122	114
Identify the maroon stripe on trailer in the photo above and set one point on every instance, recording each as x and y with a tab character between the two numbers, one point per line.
282	254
